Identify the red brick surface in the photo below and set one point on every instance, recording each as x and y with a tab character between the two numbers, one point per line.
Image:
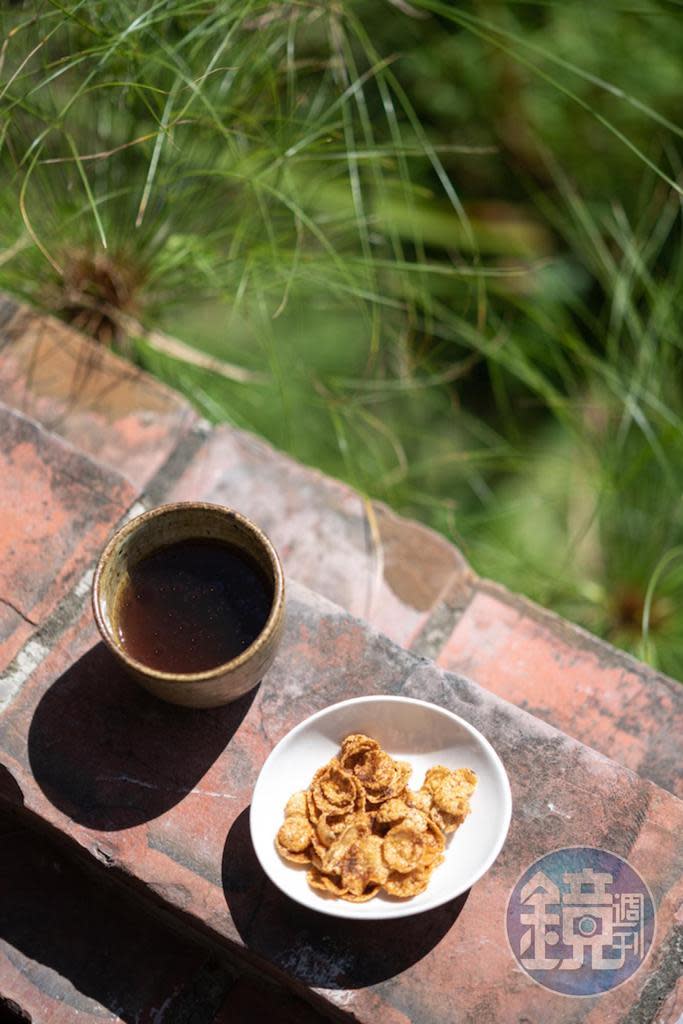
572	680
57	509
385	569
159	795
102	404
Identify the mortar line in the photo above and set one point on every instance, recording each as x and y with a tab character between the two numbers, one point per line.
38	646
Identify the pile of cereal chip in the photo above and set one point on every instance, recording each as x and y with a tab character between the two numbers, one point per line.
361	829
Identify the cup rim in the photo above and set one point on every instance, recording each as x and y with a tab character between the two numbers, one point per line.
218	670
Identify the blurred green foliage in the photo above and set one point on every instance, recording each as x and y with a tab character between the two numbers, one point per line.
437	247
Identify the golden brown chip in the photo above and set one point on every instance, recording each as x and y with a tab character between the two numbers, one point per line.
404	885
294	838
417	819
446	822
312	811
316	852
364	896
468	779
402	773
452	792
295	834
366	760
391	812
318	880
434	844
389	780
363	865
331	886
296	804
355	744
420	799
335	790
334	856
376	770
330	826
464	780
403	848
435	775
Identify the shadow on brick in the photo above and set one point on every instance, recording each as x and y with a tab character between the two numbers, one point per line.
322	952
76	944
110	755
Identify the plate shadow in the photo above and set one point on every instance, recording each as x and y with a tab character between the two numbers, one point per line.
323	952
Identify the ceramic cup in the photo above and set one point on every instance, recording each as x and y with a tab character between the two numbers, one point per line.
189	520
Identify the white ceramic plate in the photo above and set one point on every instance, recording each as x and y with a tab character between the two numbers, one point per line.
410	730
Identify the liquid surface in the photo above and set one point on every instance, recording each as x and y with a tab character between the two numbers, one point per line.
192	606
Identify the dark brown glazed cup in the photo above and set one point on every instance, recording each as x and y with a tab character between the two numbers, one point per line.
189	520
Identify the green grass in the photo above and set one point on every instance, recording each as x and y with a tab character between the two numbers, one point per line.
437	248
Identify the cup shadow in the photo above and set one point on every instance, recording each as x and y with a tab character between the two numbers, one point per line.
320	951
110	755
10	791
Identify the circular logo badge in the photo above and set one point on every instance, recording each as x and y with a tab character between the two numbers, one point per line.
580	921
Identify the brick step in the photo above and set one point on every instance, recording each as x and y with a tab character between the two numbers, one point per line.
105	406
415	587
383	568
571	679
158	797
58	508
49	912
401	577
73	948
